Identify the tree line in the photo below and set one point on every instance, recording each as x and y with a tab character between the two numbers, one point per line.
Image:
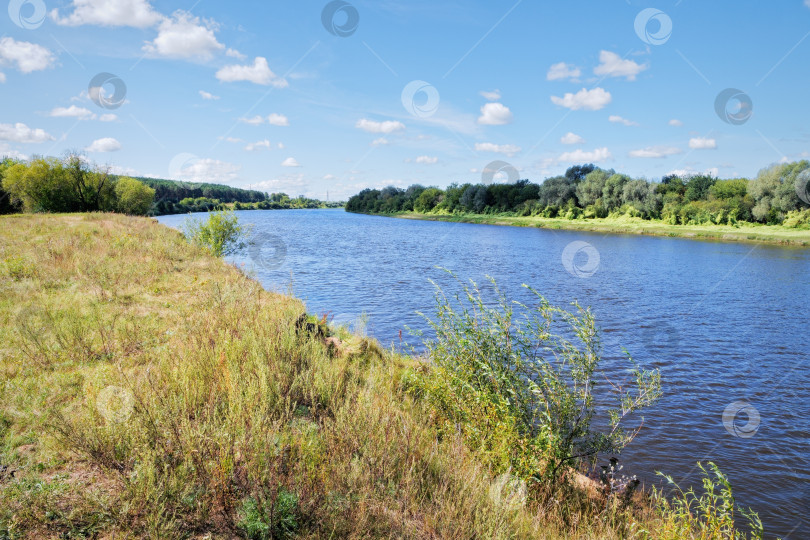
71	184
586	191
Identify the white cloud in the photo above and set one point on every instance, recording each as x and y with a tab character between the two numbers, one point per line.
258	145
230	139
700	143
807	3
388	126
72	112
589	100
2	77
563	71
7	151
276	119
107	144
677	123
253	121
655	152
281	146
184	36
427	160
507	149
135	13
612	65
21	133
495	114
109	117
207	95
582	156
209	170
233	53
382	141
572	138
27	56
293	184
258	73
616	119
495	95
290	162
687	172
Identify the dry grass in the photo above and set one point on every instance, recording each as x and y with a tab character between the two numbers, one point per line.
150	390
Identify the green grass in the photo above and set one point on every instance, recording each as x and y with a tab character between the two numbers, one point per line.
745	232
150	390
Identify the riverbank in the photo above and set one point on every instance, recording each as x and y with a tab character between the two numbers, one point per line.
764	234
152	390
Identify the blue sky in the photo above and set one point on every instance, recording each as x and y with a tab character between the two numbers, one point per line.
266	95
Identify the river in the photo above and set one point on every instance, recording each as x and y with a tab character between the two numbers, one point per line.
726	324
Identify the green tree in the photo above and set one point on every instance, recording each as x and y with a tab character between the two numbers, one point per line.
40	186
427	200
589	190
134	197
221	233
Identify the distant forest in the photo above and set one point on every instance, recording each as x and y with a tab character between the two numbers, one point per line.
46	184
586	191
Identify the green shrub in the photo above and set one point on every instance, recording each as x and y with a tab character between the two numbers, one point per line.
710	515
519	383
278	521
134	198
221	233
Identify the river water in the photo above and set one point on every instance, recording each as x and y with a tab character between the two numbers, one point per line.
726	323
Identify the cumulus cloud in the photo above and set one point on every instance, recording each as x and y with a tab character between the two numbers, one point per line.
507	149
290	162
135	13
209	170
677	123
495	114
109	117
207	95
184	36
589	100
276	119
2	77
612	65
495	95
563	71
106	144
258	145
287	183
581	156
382	141
253	121
701	143
233	53
616	119
27	57
572	138
258	73
426	160
72	112
655	152
7	151
21	133
687	172
388	126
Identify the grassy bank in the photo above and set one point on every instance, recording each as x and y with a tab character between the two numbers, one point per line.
152	390
768	234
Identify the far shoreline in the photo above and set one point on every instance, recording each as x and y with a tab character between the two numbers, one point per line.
746	233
